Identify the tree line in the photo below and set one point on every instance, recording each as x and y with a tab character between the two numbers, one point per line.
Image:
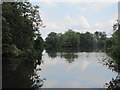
75	39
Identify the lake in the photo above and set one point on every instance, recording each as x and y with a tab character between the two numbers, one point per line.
73	70
68	68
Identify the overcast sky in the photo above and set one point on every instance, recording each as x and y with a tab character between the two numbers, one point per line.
79	15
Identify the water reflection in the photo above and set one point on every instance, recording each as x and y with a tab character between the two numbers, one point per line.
81	70
114	65
86	49
114	83
63	68
37	80
21	72
70	57
69	54
52	52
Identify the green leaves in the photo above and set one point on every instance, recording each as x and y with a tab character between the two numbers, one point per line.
20	26
71	39
115	48
85	41
11	50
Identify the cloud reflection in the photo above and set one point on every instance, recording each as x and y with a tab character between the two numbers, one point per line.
61	74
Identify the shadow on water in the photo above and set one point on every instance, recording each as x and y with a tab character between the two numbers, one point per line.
21	72
114	65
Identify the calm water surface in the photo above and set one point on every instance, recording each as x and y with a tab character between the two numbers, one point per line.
74	70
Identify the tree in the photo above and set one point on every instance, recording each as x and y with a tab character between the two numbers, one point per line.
87	41
115	49
100	39
20	22
51	40
39	43
70	39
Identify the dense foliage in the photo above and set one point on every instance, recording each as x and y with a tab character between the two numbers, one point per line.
113	48
22	44
20	22
84	41
113	62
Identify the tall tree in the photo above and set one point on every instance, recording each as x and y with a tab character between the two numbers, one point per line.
115	51
21	21
71	39
51	40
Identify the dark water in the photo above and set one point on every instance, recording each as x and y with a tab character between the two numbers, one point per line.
64	69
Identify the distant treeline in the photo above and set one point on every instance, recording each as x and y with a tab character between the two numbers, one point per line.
75	39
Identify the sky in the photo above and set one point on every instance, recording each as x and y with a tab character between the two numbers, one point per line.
78	15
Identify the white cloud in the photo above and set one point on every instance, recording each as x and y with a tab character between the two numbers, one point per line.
79	21
69	68
97	24
69	20
83	21
51	26
85	64
84	25
47	21
105	26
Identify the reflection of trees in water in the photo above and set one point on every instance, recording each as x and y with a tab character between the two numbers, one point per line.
68	53
114	65
114	83
17	74
69	50
70	57
52	52
21	73
37	80
86	49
